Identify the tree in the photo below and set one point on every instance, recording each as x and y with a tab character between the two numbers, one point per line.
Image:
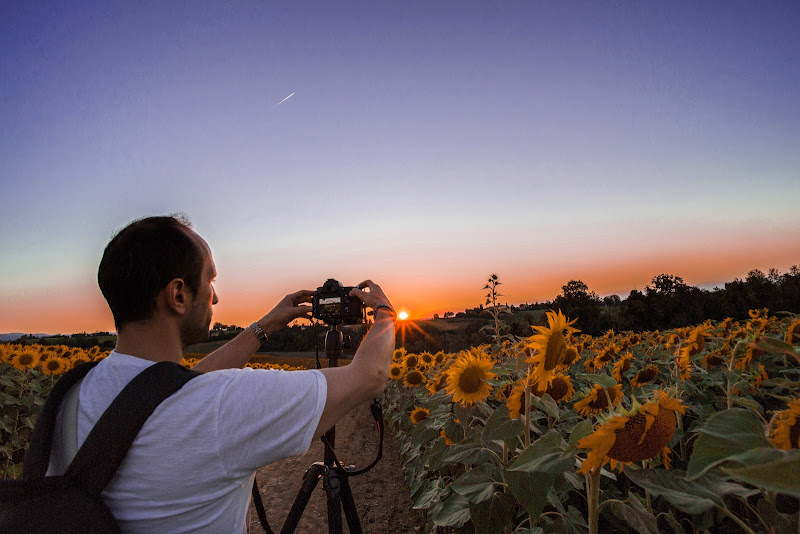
448	314
576	301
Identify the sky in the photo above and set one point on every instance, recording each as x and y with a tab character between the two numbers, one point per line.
423	145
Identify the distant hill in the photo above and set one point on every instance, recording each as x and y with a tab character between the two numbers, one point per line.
16	335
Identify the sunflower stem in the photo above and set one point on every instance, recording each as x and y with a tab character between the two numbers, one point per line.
527	414
593	499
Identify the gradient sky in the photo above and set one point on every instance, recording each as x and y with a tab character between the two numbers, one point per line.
427	145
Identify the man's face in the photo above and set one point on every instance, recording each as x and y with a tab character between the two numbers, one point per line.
198	321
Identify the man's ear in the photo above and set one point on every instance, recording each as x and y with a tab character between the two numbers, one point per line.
177	296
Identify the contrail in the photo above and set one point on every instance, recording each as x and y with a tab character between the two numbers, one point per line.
284	100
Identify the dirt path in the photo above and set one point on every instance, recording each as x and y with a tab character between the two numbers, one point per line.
380	494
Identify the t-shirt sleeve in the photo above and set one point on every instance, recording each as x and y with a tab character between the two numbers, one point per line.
267	415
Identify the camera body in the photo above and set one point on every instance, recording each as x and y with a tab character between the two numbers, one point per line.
333	305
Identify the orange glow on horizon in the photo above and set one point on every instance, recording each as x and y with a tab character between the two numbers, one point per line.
81	308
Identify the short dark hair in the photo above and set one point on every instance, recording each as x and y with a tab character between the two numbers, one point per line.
141	259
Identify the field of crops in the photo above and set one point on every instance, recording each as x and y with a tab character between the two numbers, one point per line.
689	430
695	429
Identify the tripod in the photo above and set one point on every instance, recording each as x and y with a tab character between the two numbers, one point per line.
334	477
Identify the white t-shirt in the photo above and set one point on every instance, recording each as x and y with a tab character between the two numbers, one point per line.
192	465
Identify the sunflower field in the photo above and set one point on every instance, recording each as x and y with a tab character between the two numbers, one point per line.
27	374
690	430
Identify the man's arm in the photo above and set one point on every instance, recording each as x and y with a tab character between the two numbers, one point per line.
237	352
365	376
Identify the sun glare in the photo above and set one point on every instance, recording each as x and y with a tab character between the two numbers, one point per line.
402	315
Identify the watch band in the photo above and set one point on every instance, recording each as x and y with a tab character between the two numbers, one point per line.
383	307
256	328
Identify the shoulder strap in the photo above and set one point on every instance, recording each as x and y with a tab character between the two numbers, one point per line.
108	442
38	455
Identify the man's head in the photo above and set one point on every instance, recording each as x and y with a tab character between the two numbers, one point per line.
152	255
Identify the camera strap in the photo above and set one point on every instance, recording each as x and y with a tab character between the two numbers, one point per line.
377	414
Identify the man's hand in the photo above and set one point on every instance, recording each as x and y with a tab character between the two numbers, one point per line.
287	310
370	298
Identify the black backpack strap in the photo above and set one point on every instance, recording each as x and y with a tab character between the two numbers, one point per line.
108	442
38	455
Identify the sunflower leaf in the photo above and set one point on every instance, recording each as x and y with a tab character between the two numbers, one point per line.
493	515
430	495
635	514
581	430
545	455
546	404
477	484
452	512
530	489
768	468
691	497
605	381
725	434
501	426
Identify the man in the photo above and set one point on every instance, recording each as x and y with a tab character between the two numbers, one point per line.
192	465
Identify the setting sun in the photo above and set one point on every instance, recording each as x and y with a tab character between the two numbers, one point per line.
402	315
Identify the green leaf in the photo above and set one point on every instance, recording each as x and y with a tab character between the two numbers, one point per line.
466	452
690	496
530	489
581	430
545	455
453	512
477	484
493	515
674	523
635	514
770	344
770	469
726	434
604	380
501	426
546	404
430	495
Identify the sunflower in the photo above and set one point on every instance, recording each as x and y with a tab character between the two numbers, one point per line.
696	341
419	415
596	400
436	383
413	378
439	357
516	400
793	333
622	366
411	361
786	427
53	365
635	436
399	354
467	378
550	345
604	356
560	389
396	371
447	440
427	359
571	355
751	353
27	358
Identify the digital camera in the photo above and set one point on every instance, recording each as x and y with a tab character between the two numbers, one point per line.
333	305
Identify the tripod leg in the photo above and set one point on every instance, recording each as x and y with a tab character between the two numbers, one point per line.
310	480
332	486
349	505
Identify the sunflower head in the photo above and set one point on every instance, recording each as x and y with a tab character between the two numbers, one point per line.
419	415
596	400
550	345
396	371
635	436
622	366
53	365
399	354
785	433
467	378
413	378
